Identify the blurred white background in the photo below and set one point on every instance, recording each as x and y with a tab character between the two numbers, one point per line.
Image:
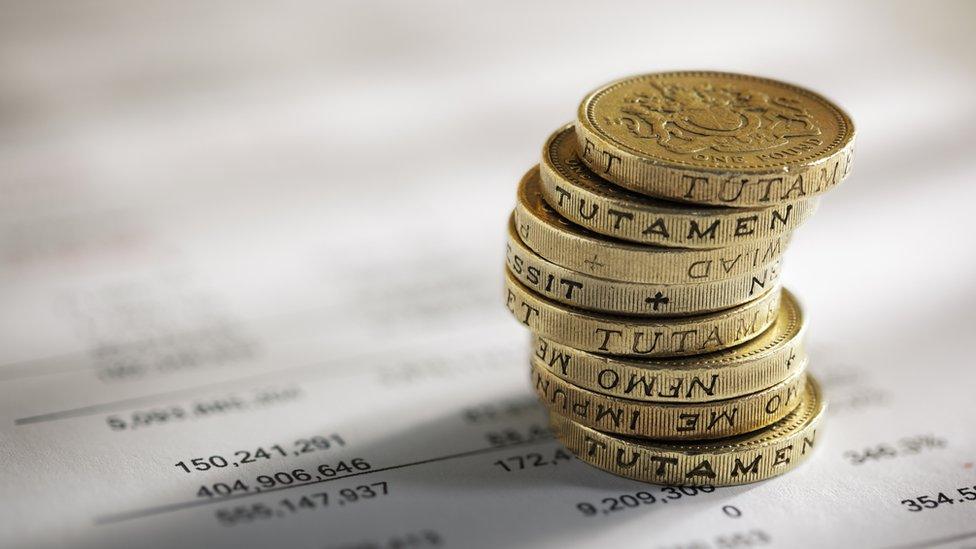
334	118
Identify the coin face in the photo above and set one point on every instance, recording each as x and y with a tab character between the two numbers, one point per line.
714	123
717	120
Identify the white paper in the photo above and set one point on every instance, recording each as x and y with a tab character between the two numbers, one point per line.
233	228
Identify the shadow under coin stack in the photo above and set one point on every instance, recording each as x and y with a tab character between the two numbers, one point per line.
644	255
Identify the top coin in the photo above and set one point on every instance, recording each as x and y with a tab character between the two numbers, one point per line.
715	138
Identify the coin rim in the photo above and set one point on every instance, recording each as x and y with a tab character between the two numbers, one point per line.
567	320
553	172
732	361
645	258
657	414
703	291
800	417
842	142
808	417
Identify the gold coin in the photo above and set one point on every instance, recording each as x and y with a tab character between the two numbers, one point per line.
634	336
759	363
715	138
737	460
571	246
654	420
582	197
632	298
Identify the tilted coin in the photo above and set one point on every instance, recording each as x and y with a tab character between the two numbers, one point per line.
634	336
715	138
557	240
759	363
667	421
632	298
584	198
737	460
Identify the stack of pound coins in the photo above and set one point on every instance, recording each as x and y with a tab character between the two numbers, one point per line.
644	255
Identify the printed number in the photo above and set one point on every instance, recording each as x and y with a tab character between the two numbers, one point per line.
732	511
912	505
967	493
203	464
355	464
221	489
